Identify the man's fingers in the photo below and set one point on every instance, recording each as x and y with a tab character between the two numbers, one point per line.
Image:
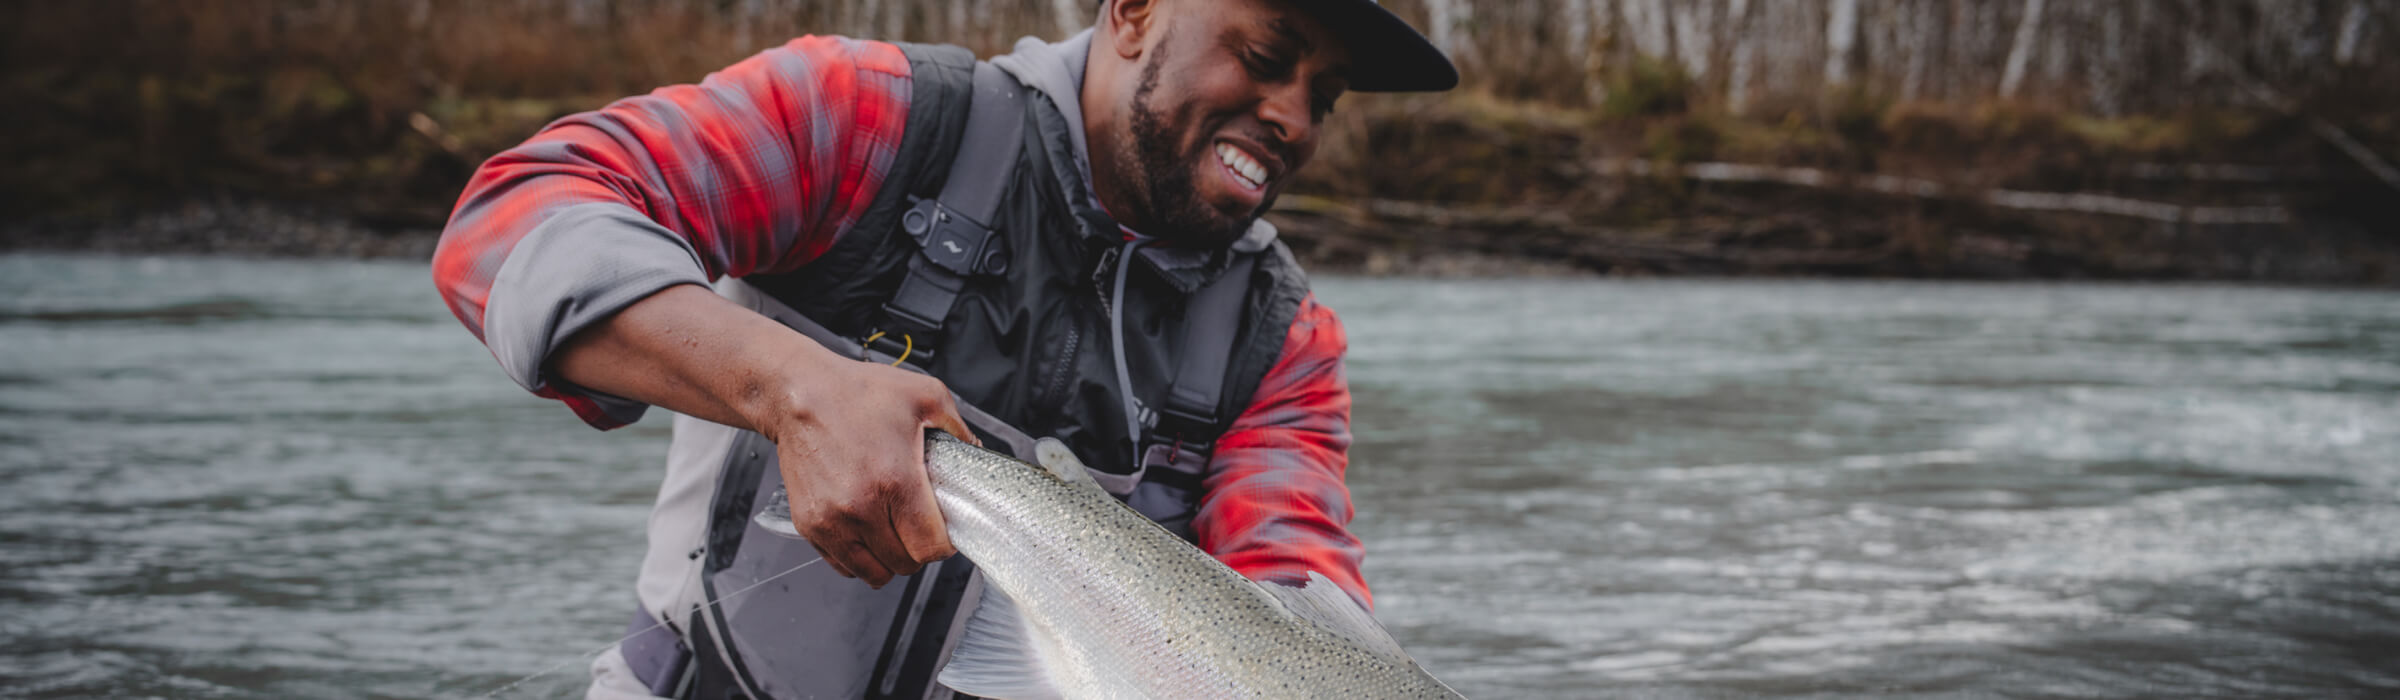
832	561
846	552
918	519
947	419
860	560
919	524
884	545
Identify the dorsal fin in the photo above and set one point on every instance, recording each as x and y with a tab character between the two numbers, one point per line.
996	658
1332	609
1061	462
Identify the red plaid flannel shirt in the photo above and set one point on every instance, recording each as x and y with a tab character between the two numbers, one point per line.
763	165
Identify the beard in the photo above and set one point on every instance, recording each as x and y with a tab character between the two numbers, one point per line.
1164	165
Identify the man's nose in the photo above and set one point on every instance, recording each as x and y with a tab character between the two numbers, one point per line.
1287	111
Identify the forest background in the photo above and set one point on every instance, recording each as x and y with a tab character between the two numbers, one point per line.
2153	139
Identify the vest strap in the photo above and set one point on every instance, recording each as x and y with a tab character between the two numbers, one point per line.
1212	322
953	231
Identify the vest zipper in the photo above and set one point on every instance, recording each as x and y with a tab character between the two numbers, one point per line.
1055	395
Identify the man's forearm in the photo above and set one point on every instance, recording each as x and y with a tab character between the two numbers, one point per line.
695	353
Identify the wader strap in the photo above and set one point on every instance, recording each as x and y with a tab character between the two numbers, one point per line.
953	231
656	655
1212	322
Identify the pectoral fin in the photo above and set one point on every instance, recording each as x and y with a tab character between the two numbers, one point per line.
996	657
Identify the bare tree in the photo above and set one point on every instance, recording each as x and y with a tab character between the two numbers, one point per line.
1647	21
2104	76
1445	19
1738	66
1070	16
1579	26
2345	44
1595	55
2021	50
1692	21
1841	35
1916	45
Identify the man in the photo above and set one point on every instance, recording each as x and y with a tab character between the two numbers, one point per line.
1124	199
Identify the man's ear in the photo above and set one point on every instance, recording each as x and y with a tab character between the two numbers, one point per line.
1130	21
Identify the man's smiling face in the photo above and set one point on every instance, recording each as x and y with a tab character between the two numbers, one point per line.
1219	102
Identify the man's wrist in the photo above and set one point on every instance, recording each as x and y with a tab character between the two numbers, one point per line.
785	382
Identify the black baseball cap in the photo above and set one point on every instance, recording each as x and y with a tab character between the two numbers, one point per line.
1386	55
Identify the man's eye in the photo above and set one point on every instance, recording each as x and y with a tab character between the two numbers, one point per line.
1265	67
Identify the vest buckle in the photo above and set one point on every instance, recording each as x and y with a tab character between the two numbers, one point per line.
953	240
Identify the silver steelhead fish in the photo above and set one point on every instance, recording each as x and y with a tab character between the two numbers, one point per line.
1086	598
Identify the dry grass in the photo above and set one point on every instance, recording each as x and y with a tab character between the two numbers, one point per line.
380	108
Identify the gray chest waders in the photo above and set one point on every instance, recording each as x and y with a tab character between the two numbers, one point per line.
814	634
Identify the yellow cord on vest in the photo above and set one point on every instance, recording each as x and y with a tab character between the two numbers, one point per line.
909	345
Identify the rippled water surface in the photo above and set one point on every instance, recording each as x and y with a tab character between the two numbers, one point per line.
303	479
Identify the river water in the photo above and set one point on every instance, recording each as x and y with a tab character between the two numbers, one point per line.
286	479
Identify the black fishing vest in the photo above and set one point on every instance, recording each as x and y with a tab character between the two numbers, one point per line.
1011	295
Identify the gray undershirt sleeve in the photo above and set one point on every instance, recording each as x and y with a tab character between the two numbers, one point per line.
576	268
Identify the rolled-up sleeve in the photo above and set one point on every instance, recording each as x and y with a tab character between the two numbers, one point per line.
1274	505
758	168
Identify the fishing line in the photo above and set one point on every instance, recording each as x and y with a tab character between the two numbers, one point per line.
595	653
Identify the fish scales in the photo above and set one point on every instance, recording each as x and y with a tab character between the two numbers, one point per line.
1115	606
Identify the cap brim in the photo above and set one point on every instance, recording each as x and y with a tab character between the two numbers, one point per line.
1386	55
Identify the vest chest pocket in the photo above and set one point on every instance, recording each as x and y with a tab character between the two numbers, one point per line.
1169	491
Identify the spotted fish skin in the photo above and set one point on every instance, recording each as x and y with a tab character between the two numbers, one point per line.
1114	606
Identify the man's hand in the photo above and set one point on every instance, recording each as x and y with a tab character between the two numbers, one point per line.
849	436
853	461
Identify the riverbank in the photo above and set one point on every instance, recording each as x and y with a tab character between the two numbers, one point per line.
1804	236
1455	185
249	229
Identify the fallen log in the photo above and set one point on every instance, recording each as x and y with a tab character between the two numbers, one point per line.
2072	202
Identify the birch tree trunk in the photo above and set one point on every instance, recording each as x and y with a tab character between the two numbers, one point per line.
1578	46
2022	49
2057	55
1692	21
1579	26
1437	20
1070	16
2104	76
2345	43
983	21
1462	13
1916	43
1841	34
1595	53
1647	21
1737	68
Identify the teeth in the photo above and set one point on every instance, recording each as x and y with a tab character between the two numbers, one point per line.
1252	173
